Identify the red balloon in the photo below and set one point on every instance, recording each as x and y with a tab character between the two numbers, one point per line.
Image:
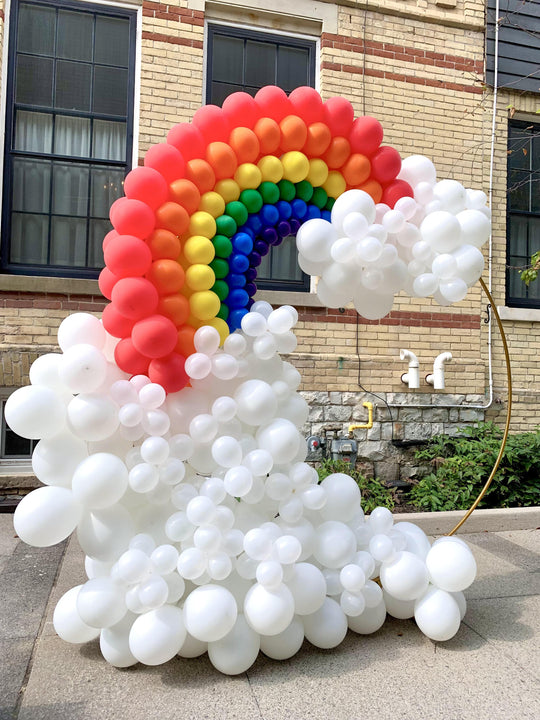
213	123
308	104
154	336
273	103
338	115
106	281
108	237
396	190
130	360
127	256
169	372
385	164
241	110
167	160
188	140
135	298
132	217
366	135
146	184
115	324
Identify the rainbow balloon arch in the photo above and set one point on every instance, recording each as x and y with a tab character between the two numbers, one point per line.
170	430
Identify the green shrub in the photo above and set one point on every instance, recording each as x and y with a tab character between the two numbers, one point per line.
374	492
463	463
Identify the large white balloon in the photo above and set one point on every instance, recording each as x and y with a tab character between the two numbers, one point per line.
156	636
47	516
210	613
237	651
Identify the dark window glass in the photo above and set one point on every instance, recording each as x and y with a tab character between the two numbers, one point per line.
66	163
243	60
523	220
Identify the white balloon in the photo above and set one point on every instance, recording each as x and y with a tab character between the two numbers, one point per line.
100	481
369	621
81	328
335	544
100	602
93	417
46	516
405	576
441	230
237	651
314	239
114	643
453	290
326	627
54	459
416	169
105	534
67	621
286	643
400	609
352	201
280	438
437	614
157	636
451	194
192	647
83	368
308	588
210	612
451	566
256	402
269	612
35	411
342	497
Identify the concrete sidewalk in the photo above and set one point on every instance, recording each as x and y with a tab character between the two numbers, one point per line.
490	670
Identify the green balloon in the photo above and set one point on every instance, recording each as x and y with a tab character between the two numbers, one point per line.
304	190
287	190
221	289
269	192
330	203
238	211
222	246
319	197
252	200
223	312
220	268
225	225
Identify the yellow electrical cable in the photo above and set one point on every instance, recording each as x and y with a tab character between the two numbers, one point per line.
508	412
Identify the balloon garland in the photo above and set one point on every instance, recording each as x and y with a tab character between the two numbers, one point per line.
203	527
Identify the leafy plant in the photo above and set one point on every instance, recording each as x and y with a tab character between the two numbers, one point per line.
374	492
463	463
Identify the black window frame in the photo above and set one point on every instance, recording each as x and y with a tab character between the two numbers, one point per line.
517	262
47	270
213	29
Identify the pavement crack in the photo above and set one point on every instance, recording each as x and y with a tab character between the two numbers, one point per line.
254	697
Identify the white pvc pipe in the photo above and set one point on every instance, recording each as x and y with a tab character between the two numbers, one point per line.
411	378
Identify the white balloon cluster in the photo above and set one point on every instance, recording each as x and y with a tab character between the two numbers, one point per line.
204	529
428	245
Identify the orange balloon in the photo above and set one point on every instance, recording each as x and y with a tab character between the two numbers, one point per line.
318	140
293	133
356	170
185	345
175	307
221	157
167	276
186	194
337	153
172	216
245	144
269	135
373	188
164	244
201	174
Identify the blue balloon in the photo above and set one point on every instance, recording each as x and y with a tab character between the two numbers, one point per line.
326	215
237	298
255	224
299	209
284	209
235	280
242	243
313	212
235	319
269	214
238	263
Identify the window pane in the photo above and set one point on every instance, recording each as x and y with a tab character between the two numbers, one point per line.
107	186
29	234
35	32
518	233
518	148
109	140
293	67
34	81
70	189
75	31
73	85
281	262
33	131
222	90
15	445
98	230
260	63
72	136
31	185
112	41
518	189
535	190
110	91
68	241
228	59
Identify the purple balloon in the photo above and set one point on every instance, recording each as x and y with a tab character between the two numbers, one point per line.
270	235
261	247
251	274
251	289
295	225
284	229
254	259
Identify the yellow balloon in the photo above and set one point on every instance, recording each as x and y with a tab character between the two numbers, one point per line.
228	189
199	249
248	176
295	166
204	305
222	328
318	172
202	223
212	203
271	168
335	185
200	277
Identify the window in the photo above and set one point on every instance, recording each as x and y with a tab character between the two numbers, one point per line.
68	133
523	219
245	60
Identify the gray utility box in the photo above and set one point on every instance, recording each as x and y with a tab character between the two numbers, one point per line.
344	449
